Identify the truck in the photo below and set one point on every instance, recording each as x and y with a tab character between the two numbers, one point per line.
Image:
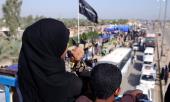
150	40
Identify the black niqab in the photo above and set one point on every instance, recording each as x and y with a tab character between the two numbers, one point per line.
42	76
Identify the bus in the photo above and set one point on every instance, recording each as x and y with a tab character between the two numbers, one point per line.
121	57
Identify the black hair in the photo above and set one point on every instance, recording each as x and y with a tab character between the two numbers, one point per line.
77	45
69	54
105	79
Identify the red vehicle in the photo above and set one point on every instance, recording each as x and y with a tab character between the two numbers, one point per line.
150	40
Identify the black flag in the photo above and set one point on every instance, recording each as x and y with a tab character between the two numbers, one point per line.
86	10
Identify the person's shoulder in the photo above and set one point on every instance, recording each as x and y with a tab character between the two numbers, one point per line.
83	99
134	96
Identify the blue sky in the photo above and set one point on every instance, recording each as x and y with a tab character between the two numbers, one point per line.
106	9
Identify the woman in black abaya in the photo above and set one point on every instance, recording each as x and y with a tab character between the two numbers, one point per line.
41	75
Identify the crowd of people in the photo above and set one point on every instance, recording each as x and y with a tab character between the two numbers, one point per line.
97	46
42	74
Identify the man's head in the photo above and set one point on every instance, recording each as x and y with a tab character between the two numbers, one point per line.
105	81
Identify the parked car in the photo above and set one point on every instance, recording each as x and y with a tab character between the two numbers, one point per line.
148	68
149	51
148	59
148	79
146	90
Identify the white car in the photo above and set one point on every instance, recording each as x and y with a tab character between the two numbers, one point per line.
148	59
146	90
148	80
148	69
149	51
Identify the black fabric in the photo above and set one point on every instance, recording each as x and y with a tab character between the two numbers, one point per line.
169	66
85	76
74	42
167	94
41	74
82	41
86	10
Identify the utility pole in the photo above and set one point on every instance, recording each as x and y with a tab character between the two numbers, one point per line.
159	71
159	16
163	27
158	54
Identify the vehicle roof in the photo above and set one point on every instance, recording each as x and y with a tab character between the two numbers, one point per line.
147	65
148	58
147	73
144	88
115	56
148	69
150	35
149	50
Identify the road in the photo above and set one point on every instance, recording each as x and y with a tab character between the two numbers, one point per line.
131	79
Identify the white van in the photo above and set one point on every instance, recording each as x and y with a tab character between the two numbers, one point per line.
149	51
146	90
148	59
148	79
148	56
146	68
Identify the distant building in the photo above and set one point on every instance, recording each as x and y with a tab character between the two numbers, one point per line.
5	30
73	32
